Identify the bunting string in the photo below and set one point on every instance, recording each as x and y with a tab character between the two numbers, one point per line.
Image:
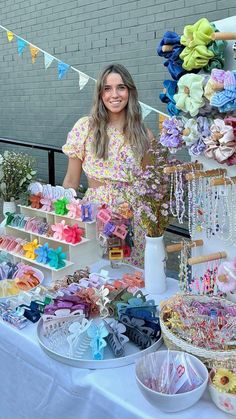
63	68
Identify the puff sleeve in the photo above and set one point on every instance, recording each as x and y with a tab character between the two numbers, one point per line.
75	143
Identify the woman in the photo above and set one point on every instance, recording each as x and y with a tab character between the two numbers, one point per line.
109	144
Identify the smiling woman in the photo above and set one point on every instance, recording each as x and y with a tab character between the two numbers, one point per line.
110	144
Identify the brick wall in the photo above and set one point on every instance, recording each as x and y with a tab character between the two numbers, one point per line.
86	34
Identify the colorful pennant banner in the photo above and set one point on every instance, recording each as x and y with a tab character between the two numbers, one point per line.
63	68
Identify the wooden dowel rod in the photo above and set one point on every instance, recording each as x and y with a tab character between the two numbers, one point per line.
186	166
167	48
207	173
171	248
223	181
207	258
222	278
224	36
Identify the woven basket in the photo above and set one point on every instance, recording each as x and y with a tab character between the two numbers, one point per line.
211	358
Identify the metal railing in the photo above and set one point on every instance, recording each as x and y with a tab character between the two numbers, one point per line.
51	150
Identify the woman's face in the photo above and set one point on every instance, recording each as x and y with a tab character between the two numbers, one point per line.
115	94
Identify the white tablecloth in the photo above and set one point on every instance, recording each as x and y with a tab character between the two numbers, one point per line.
35	386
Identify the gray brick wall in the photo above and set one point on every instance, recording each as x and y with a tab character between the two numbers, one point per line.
86	34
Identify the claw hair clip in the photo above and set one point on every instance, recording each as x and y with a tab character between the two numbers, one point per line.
102	300
78	341
74	208
116	338
87	212
97	333
73	234
52	322
60	206
30	248
46	204
35	200
58	229
104	215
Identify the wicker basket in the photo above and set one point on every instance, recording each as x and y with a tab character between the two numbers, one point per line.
211	358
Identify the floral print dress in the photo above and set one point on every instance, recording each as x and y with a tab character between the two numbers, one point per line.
116	170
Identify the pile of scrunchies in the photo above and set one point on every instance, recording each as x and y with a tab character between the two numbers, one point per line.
215	138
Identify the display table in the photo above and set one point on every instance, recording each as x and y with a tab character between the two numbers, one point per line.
35	386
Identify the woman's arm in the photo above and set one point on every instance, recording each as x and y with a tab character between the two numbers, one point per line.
73	174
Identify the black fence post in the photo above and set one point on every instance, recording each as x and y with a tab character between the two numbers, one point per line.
51	167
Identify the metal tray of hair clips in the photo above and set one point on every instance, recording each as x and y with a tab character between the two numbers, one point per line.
55	344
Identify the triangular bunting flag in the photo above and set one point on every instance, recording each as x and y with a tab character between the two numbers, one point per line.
10	36
48	59
83	80
161	118
146	110
20	45
62	69
34	52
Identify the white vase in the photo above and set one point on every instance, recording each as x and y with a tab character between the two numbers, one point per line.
154	265
8	206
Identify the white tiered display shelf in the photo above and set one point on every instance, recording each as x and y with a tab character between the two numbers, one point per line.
79	255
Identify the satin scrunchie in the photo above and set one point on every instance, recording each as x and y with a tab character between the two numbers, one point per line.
221	144
190	93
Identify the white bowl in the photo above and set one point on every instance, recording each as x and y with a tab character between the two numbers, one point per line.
169	402
224	401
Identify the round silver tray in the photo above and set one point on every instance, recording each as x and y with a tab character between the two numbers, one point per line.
61	353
